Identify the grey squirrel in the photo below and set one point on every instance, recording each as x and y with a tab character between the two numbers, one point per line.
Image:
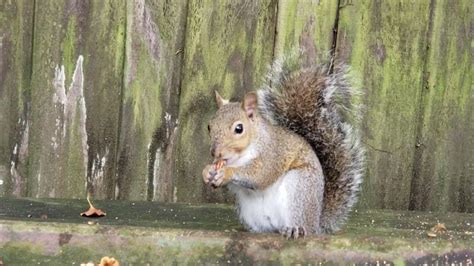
288	151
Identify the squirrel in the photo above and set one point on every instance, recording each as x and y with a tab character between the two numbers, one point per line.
288	151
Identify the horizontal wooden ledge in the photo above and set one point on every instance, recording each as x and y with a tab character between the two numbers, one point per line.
51	231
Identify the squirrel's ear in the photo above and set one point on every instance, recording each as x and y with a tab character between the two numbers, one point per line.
220	101
250	104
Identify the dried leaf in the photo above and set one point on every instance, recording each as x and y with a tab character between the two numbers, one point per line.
106	261
439	228
92	211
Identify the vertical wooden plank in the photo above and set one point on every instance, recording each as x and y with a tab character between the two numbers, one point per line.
16	30
228	46
306	25
384	42
76	94
103	89
444	166
155	41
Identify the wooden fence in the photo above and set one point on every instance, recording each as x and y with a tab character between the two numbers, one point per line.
114	96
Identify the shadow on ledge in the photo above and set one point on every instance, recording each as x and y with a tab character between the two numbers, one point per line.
51	232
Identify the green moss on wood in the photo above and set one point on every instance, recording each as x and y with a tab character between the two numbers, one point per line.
307	25
413	60
16	20
444	162
384	42
155	33
69	54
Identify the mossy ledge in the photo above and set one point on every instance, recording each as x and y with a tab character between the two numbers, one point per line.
50	231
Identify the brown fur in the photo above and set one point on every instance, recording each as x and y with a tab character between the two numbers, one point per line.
300	119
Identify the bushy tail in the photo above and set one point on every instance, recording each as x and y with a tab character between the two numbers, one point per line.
319	106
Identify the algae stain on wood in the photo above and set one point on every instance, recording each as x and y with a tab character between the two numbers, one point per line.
106	22
16	33
155	32
384	42
306	25
228	47
444	160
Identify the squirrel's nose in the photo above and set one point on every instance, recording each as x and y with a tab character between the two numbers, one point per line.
216	150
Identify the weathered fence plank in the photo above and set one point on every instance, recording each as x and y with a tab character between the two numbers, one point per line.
76	94
16	33
111	79
444	161
155	40
384	41
228	46
306	25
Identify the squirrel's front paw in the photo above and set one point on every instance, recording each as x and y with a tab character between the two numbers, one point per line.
219	178
208	173
215	177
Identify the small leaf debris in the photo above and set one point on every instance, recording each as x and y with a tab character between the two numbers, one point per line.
92	211
439	228
436	230
106	261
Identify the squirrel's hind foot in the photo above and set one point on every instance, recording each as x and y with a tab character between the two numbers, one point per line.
293	232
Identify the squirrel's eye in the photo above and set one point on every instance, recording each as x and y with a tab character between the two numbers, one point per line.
239	128
209	128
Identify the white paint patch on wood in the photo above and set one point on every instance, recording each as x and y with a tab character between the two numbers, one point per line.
156	173
98	169
69	101
20	153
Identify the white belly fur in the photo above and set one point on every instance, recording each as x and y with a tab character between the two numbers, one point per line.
266	210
